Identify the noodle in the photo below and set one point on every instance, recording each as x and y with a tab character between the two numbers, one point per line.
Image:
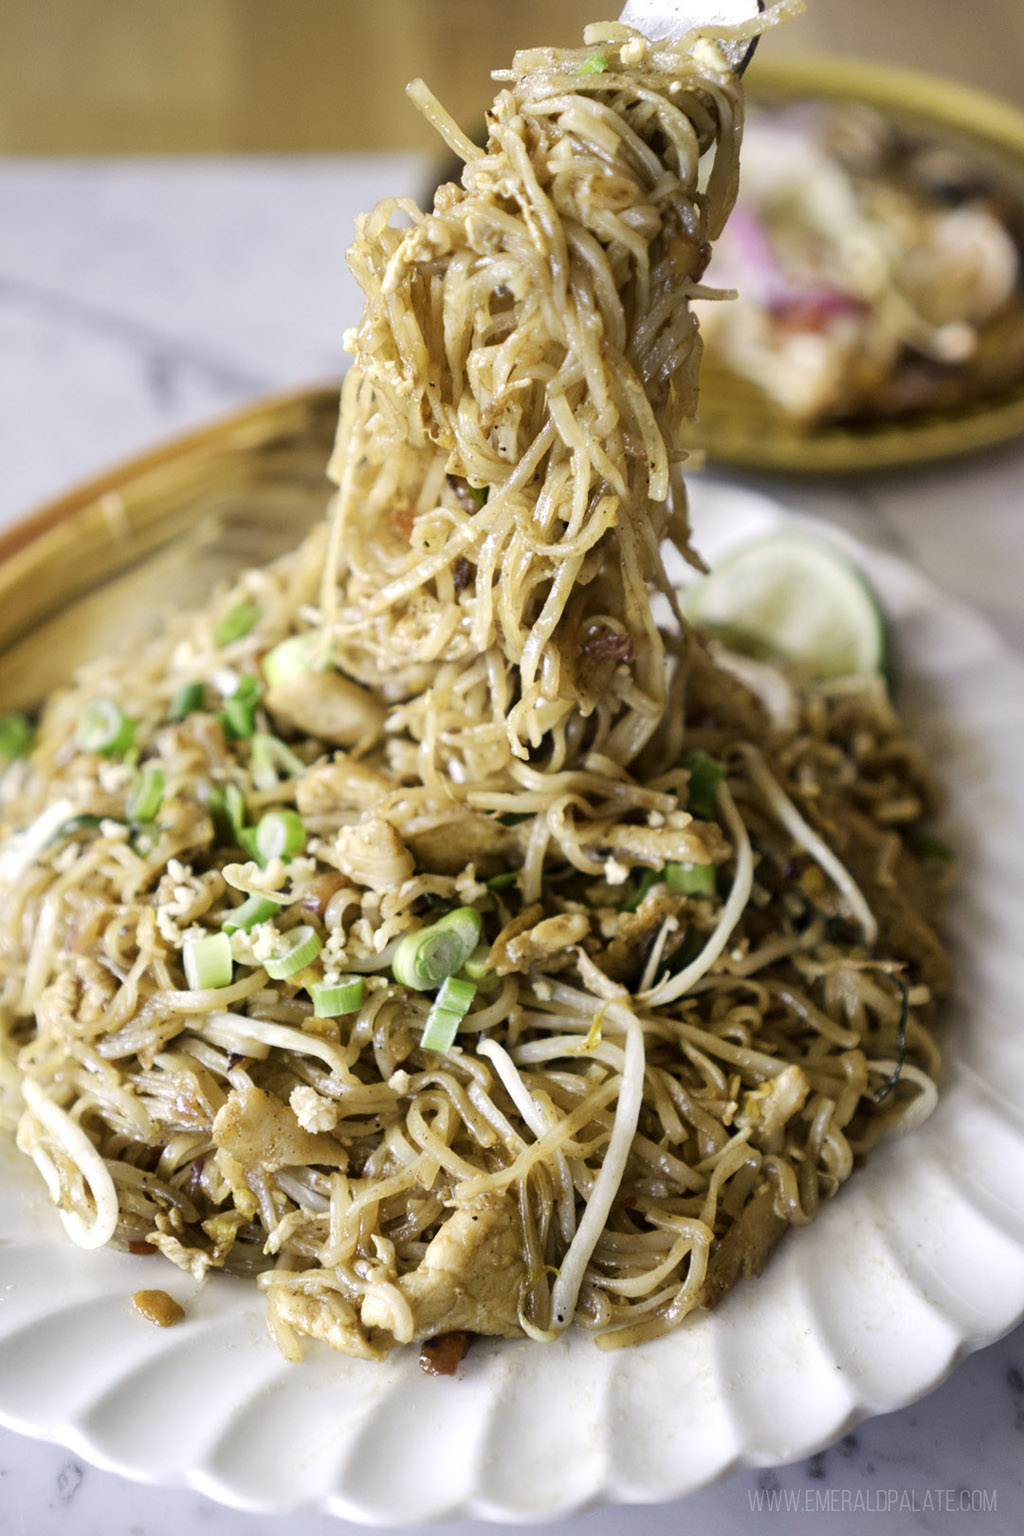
687	1009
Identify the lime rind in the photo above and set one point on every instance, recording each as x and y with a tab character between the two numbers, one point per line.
795	598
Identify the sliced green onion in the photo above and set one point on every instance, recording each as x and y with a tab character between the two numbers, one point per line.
279	834
297	654
331	999
246	840
595	65
271	757
929	847
648	879
466	923
85	821
479	493
17	734
189	698
477	967
508	877
227	807
447	1012
208	962
705	776
146	794
300	948
247	687
440	1029
423	959
691	879
236	623
253	910
106	729
238	716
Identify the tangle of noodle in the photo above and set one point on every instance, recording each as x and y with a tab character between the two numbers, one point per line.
651	1084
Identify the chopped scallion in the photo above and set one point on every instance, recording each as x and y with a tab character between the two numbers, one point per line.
705	776
247	687
456	994
447	1012
270	759
479	493
299	948
423	959
17	734
691	879
238	716
85	821
930	848
238	622
648	879
208	962
299	653
595	65
466	923
279	834
477	966
106	729
146	794
253	910
331	999
502	882
246	840
189	698
227	807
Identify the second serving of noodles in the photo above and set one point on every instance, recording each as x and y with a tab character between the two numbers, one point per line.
425	929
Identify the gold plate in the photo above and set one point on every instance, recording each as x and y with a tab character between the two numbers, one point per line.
736	424
103	566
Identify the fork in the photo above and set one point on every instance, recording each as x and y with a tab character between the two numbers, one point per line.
662	20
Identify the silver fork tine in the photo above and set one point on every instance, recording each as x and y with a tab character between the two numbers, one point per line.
672	19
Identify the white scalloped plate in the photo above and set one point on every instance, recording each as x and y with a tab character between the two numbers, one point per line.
919	1260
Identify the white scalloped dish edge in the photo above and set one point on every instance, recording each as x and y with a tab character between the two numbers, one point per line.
919	1259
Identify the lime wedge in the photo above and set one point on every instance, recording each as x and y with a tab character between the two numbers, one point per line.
794	598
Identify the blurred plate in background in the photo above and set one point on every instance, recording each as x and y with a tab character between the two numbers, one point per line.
738	424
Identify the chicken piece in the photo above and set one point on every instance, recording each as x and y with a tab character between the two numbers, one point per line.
680	841
626	955
767	1109
520	945
518	924
373	855
341	783
328	1317
470	1277
255	1132
467	838
327	706
548	938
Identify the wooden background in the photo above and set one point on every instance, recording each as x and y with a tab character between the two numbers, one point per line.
221	76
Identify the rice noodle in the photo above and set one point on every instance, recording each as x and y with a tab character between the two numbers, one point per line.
650	1083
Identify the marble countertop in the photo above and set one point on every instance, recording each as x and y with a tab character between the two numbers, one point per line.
138	298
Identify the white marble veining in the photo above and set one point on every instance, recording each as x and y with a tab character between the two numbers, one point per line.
139	298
